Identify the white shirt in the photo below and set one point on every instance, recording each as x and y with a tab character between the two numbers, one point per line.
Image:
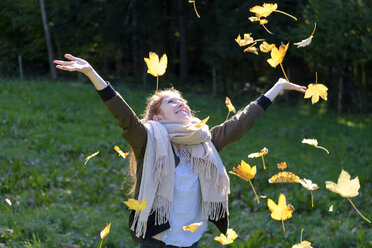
186	208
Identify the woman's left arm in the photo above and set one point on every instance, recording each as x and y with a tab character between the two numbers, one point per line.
233	129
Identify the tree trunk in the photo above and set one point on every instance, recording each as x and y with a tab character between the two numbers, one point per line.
20	66
183	42
53	71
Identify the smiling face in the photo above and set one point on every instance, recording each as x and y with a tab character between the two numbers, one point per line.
174	108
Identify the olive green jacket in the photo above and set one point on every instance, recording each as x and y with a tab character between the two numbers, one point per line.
134	132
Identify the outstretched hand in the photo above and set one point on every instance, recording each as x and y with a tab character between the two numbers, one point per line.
75	64
285	85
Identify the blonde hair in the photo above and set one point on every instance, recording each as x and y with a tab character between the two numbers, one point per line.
153	108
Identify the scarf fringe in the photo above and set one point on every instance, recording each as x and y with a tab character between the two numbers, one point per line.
163	208
214	210
160	168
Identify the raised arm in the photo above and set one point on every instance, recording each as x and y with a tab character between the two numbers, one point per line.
133	130
234	129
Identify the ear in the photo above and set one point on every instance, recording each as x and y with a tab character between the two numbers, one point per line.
156	117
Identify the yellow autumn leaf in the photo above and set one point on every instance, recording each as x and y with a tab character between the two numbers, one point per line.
90	156
284	177
282	211
244	42
251	49
309	185
199	125
135	205
247	173
315	91
313	142
331	208
302	244
307	41
277	55
120	152
105	231
266	9
229	105
156	67
266	47
228	239
346	187
261	154
192	227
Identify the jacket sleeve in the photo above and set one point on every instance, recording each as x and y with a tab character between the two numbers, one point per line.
234	129
134	132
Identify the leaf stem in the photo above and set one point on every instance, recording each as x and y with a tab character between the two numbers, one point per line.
196	12
157	82
258	201
282	12
322	148
313	30
281	66
312	201
358	210
100	244
263	162
263	25
301	235
227	116
283	225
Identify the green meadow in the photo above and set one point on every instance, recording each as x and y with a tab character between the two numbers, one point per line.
47	130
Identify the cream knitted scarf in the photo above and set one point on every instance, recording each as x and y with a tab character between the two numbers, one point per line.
157	182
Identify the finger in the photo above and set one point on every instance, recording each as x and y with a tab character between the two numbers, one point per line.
61	62
70	57
66	68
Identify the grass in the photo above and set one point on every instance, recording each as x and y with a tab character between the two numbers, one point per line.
48	129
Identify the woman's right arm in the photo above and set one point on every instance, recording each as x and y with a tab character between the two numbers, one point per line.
133	130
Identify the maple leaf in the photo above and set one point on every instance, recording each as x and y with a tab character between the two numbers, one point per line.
302	244
346	187
307	41
121	153
284	177
90	156
261	154
266	47
282	165
245	172
196	12
228	239
135	205
261	21
316	90
309	185
266	9
105	231
313	142
192	227
229	106
282	211
245	41
277	55
252	49
155	67
197	126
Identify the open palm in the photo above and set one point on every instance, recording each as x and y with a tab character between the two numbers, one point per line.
75	64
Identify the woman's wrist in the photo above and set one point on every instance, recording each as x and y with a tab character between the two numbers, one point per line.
96	79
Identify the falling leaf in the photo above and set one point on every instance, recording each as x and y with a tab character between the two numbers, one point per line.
282	165
302	244
314	142
197	126
245	172
252	49
8	202
307	41
266	9
155	67
346	187
193	227
261	21
121	153
135	205
229	106
261	154
316	90
246	41
90	156
105	231
282	211
266	47
277	55
228	239
284	177
196	12
263	196
309	185
331	208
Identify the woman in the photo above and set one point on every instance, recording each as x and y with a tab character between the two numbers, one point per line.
178	169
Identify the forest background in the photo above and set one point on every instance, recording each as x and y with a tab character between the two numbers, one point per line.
115	36
50	121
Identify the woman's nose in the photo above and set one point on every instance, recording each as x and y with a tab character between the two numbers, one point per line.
180	104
